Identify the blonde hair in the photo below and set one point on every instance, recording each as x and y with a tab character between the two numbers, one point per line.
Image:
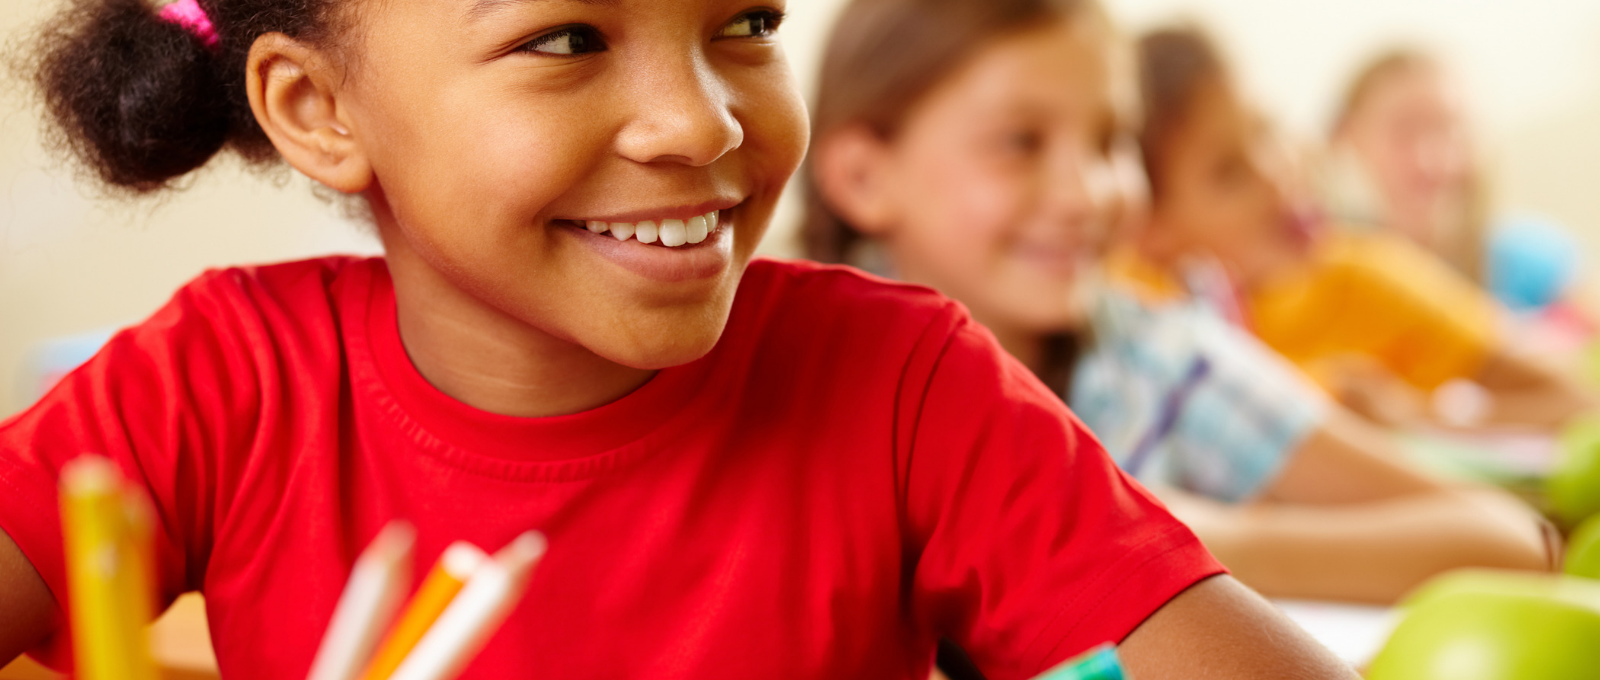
1464	246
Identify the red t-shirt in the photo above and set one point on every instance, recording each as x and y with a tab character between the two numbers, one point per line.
855	470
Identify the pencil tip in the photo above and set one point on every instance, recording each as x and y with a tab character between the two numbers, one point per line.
523	551
398	536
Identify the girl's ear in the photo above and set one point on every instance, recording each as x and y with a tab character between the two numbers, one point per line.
294	95
850	167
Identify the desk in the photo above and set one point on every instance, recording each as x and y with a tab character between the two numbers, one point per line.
1353	632
181	643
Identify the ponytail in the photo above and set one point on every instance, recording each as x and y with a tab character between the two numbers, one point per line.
134	97
142	100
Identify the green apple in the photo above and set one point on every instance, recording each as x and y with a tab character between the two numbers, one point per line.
1583	549
1581	592
1575	483
1484	625
1589	368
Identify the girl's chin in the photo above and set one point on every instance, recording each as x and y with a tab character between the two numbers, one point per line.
657	357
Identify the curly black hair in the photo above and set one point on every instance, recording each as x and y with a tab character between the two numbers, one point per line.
142	101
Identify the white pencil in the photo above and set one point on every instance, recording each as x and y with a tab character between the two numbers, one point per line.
377	586
475	613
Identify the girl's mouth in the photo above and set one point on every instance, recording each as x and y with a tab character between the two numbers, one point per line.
669	233
665	250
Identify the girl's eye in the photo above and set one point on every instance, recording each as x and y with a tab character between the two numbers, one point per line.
1232	170
1025	141
567	41
758	23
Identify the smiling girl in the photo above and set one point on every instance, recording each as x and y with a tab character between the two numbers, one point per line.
567	333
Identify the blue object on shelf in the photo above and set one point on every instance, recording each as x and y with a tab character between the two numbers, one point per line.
1530	263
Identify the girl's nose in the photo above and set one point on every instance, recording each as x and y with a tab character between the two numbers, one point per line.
680	114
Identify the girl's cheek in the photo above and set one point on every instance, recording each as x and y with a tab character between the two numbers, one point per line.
777	126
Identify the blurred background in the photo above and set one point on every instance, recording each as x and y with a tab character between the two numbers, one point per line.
73	263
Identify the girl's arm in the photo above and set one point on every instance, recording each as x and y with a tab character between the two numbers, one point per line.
1345	523
1220	629
1526	392
27	609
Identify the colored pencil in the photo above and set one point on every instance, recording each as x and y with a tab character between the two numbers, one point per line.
374	592
1100	663
475	614
446	579
106	526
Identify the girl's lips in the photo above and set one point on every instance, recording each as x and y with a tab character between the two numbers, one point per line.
688	262
1304	226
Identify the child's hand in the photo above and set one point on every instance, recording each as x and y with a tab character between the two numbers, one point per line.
1366	387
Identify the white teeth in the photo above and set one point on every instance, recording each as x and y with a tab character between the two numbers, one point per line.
696	228
646	232
673	233
670	233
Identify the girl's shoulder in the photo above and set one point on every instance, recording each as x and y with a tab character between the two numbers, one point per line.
277	299
802	288
287	282
836	323
265	312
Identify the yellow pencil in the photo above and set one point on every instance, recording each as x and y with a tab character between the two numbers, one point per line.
107	529
438	589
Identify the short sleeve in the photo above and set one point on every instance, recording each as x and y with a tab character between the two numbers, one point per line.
153	399
1182	398
1027	544
1381	297
1248	414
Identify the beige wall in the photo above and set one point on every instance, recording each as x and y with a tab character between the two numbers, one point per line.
70	263
1530	70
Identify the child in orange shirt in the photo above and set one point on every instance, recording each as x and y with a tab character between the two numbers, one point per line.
1353	309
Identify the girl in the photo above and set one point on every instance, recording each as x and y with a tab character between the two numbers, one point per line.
1402	160
566	333
1382	323
979	165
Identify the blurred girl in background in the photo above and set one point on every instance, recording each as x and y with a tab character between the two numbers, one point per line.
976	157
1402	159
1380	321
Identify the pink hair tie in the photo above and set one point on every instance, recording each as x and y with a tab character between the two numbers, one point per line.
189	15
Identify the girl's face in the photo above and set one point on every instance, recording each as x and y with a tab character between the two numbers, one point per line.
1225	189
998	186
1410	137
503	134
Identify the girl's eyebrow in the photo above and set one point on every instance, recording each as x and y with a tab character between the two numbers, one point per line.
482	9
